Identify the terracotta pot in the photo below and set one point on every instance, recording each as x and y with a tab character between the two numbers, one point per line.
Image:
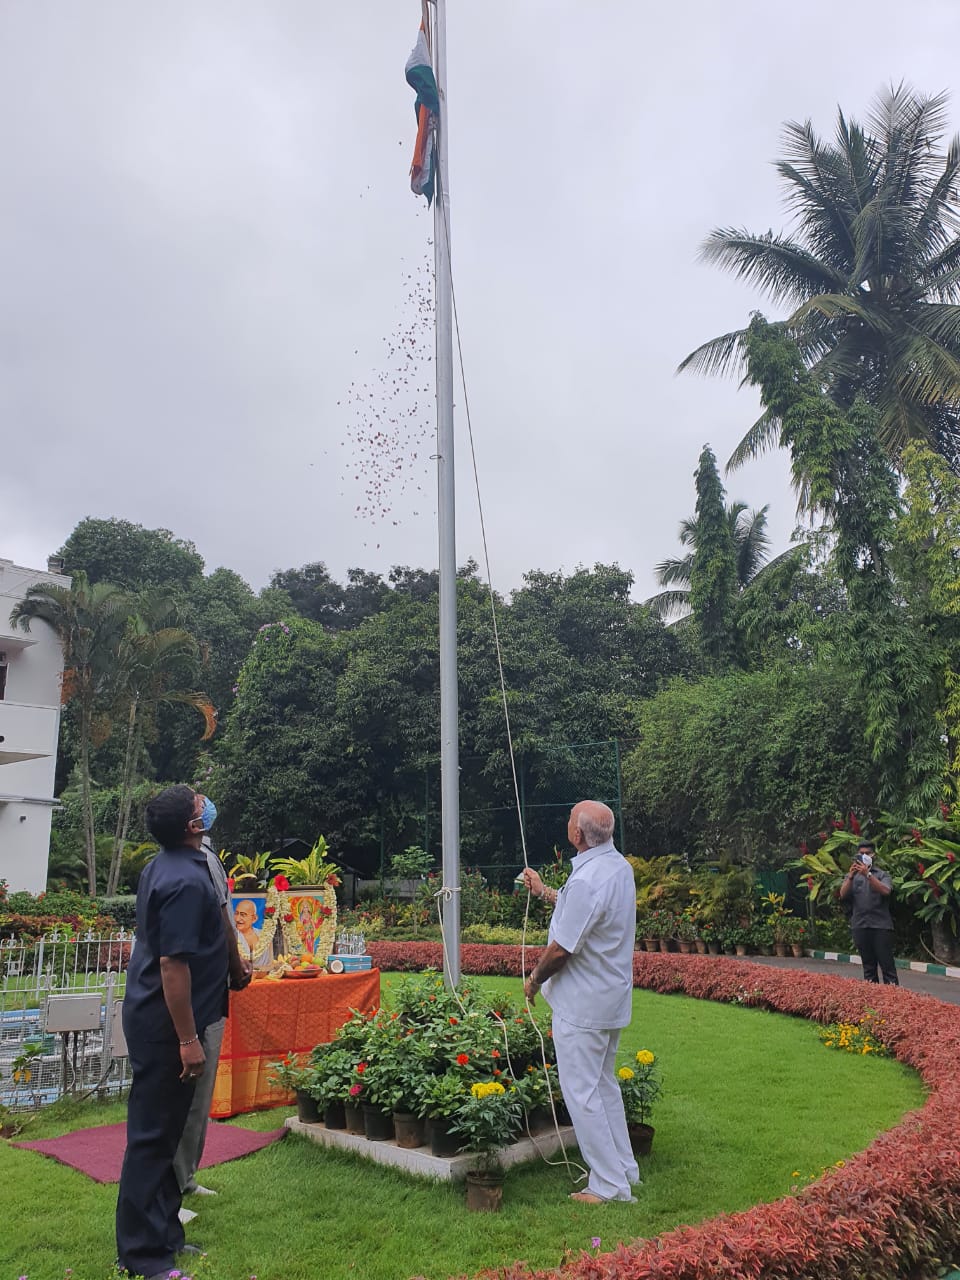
377	1123
664	944
354	1117
334	1116
641	1138
443	1143
651	944
685	947
741	948
410	1130
307	1109
797	948
779	948
701	947
484	1192
713	948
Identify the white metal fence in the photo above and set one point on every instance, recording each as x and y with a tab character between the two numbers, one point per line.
60	1031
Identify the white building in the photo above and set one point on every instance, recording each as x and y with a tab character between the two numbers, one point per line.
31	664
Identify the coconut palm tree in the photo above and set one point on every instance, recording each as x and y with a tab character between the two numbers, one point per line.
871	274
748	529
89	622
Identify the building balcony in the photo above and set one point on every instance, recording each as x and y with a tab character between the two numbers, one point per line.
27	732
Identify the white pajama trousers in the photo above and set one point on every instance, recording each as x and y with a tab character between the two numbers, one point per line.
585	1062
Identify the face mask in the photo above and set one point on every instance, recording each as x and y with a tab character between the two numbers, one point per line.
866	859
208	815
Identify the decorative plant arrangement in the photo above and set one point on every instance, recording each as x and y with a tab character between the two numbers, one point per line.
856	1037
438	1068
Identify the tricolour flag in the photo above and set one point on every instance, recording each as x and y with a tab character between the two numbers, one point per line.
420	77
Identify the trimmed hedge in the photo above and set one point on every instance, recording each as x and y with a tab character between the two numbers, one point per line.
893	1211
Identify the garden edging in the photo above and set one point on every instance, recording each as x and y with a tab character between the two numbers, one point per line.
892	1211
916	966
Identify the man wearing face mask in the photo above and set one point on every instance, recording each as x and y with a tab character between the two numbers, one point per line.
177	978
868	888
187	1160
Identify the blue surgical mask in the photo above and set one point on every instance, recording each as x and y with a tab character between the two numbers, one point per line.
208	814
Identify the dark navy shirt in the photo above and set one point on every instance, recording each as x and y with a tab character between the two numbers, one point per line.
178	915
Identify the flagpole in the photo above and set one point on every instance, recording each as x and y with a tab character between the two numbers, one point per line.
446	510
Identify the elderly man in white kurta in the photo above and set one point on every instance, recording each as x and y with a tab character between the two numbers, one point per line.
587	976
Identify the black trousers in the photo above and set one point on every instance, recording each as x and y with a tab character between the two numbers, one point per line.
876	948
149	1232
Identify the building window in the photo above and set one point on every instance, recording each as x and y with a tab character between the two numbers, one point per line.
3	676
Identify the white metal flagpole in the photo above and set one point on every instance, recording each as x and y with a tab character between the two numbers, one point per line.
446	507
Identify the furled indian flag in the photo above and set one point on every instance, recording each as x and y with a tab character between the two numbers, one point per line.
420	77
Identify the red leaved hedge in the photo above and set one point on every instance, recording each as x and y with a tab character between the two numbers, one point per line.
891	1211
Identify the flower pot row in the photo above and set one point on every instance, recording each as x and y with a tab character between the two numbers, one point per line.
701	947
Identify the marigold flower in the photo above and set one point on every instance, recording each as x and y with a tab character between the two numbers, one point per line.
645	1057
625	1073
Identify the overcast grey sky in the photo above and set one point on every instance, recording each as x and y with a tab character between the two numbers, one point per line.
208	249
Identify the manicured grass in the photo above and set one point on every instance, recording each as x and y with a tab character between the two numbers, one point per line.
749	1098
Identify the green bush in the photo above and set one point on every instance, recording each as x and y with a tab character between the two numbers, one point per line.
123	909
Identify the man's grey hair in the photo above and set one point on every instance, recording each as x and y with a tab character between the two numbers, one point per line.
598	829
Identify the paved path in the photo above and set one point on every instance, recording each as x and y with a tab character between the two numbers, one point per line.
930	984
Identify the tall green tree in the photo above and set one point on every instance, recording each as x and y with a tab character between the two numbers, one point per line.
89	620
870	274
713	567
157	665
130	556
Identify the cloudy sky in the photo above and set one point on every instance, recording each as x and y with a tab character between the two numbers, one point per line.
212	270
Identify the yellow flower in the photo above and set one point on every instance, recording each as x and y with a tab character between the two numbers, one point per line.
839	1164
625	1073
645	1057
795	1174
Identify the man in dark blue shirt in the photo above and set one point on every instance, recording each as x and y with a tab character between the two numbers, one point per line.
176	986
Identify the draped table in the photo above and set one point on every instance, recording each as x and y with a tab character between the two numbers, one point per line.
269	1019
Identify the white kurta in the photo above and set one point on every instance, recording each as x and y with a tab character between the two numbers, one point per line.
595	920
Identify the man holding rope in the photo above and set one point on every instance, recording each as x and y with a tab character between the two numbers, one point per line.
586	973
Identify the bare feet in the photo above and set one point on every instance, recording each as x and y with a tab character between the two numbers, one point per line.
586	1197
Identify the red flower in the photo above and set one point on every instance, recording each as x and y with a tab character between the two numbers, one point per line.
837	824
951	857
453	1022
822	835
945	811
361	1068
281	884
854	824
803	849
495	1054
809	882
325	911
462	1059
288	918
333	880
270	911
917	837
230	883
355	1089
496	1071
921	868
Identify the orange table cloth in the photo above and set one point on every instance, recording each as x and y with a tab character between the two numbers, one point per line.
269	1019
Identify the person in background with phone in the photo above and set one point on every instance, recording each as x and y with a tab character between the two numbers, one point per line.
868	887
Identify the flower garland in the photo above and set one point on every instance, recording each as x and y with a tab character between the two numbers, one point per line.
282	908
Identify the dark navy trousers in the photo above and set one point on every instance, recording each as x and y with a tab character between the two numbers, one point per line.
149	1232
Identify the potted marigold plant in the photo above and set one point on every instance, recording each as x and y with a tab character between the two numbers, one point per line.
640	1087
486	1122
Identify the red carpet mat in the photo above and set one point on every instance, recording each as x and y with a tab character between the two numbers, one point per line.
99	1152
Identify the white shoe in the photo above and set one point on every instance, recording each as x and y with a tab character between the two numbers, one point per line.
201	1191
185	1216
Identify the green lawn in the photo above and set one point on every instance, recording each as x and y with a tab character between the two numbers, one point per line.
749	1098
